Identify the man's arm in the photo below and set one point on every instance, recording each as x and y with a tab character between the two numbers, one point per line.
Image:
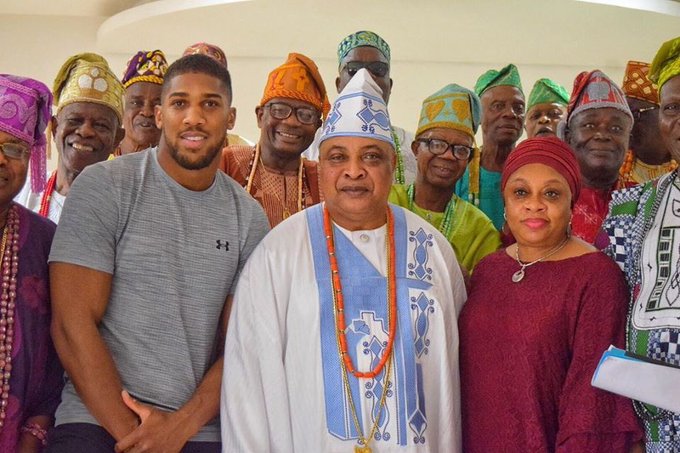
80	296
170	431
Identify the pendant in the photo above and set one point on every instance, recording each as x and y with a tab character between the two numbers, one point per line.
518	276
362	449
286	214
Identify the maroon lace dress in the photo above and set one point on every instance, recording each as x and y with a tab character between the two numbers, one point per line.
528	353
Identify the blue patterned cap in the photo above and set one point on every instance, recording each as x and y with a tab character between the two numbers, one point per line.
363	38
359	111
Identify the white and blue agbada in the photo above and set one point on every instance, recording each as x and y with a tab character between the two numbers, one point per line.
283	387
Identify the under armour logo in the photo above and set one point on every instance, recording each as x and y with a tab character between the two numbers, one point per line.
221	245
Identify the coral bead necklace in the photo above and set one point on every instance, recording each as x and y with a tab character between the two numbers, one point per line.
337	294
47	195
339	314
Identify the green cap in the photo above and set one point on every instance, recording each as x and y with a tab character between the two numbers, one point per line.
360	39
508	76
545	91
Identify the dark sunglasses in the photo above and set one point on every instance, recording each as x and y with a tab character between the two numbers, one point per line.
377	68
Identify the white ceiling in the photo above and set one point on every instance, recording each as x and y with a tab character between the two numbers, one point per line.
549	32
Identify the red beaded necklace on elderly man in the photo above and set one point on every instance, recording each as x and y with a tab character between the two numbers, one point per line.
9	250
341	326
47	195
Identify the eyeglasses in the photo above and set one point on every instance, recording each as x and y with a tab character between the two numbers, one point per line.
305	115
638	112
14	151
438	147
377	68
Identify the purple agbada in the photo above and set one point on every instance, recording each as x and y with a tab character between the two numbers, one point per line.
25	111
37	376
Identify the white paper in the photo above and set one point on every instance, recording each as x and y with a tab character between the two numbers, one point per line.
652	383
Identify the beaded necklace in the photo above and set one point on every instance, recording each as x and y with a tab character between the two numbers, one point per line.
654	171
399	171
473	177
339	314
340	305
301	183
47	195
9	248
445	226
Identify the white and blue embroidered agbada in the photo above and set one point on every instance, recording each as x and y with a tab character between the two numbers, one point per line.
283	389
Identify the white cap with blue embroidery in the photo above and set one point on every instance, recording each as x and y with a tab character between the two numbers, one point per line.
359	111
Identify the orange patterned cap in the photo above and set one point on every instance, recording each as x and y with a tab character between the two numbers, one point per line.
298	78
636	83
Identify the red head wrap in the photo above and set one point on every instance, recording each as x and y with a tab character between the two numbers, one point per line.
550	151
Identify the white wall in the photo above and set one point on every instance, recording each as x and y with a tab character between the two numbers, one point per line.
36	46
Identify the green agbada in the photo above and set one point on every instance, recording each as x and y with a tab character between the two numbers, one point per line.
472	235
508	76
545	91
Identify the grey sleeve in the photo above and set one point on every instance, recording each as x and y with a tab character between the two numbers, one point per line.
255	228
86	234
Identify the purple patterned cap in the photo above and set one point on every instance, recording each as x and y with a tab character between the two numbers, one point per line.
25	111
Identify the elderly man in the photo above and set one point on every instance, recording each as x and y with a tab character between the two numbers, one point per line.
30	374
642	236
648	156
292	108
365	49
444	142
545	108
502	121
344	330
142	270
86	128
142	81
597	127
216	53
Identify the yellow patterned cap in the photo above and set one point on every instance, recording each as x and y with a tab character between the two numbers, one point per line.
86	77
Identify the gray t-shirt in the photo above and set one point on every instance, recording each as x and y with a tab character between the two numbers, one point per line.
175	255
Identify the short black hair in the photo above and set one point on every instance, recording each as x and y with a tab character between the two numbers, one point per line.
199	64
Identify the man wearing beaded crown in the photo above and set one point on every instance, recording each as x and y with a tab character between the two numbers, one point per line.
350	343
365	49
502	120
142	272
293	105
86	128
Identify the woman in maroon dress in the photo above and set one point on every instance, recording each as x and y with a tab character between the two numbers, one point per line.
539	315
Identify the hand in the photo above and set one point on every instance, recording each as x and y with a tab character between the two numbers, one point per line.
158	432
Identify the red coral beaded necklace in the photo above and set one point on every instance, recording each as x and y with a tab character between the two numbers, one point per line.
339	299
47	195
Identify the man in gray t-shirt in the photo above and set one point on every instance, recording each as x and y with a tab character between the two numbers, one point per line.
143	267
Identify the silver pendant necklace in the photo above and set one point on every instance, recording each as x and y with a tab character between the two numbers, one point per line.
519	275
